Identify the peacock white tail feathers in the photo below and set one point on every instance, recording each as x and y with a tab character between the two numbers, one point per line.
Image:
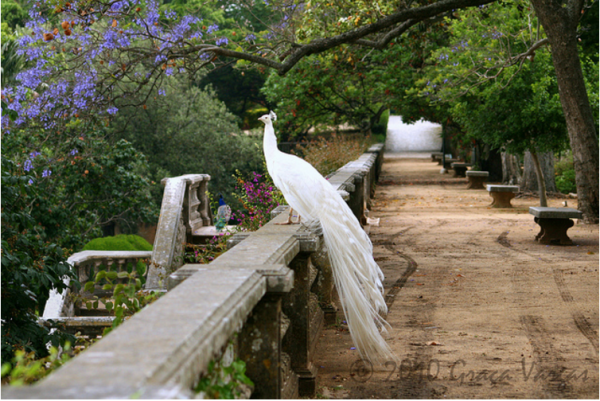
273	115
357	278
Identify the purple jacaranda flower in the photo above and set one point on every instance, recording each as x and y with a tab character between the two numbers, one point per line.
112	110
34	154
162	92
212	28
74	152
47	173
30	181
222	41
28	165
250	37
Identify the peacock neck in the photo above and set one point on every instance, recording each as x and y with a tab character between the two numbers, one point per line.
270	142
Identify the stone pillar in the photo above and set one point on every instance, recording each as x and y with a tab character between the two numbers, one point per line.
260	347
302	307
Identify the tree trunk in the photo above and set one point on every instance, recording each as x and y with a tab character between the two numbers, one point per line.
529	181
511	171
540	179
491	161
560	20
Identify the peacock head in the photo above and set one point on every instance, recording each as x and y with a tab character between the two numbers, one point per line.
268	118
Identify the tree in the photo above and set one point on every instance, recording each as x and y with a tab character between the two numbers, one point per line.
560	20
186	130
129	33
476	75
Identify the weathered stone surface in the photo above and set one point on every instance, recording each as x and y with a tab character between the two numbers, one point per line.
167	344
555	212
502	188
472	173
476	179
57	304
167	243
460	169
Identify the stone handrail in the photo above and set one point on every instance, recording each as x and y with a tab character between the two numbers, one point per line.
268	295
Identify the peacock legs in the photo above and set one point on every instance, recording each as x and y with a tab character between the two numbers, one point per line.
290	221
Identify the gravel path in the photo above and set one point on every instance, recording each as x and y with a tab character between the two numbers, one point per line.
478	308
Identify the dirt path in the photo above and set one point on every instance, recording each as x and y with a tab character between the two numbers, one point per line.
478	308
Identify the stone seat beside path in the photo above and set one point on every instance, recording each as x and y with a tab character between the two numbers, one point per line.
460	169
448	163
554	223
435	156
502	194
476	179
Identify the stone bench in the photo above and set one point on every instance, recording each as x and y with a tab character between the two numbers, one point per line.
435	156
502	194
476	179
448	163
460	169
554	223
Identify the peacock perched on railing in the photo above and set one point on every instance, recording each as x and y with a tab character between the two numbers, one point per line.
223	214
357	276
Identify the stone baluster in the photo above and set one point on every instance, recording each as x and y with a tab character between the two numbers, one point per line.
302	307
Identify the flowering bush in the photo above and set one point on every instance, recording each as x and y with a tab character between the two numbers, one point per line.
258	197
205	254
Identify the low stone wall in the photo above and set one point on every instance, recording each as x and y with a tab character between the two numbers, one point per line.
268	296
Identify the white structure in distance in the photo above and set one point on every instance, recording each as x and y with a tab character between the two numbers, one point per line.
422	136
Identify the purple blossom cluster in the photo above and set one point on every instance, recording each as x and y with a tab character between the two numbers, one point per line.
73	63
222	41
258	201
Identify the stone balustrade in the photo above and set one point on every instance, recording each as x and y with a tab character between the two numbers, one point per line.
66	307
267	298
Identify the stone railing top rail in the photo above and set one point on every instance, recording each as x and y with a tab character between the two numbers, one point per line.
85	256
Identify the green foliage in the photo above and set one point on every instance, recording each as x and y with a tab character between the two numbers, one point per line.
506	105
188	131
380	128
53	201
240	91
124	294
224	381
204	254
32	265
351	84
121	242
13	14
25	368
565	175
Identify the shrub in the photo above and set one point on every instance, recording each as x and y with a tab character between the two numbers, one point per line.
121	242
258	197
329	155
565	175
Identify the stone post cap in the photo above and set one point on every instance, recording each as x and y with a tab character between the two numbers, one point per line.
477	173
502	188
555	212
